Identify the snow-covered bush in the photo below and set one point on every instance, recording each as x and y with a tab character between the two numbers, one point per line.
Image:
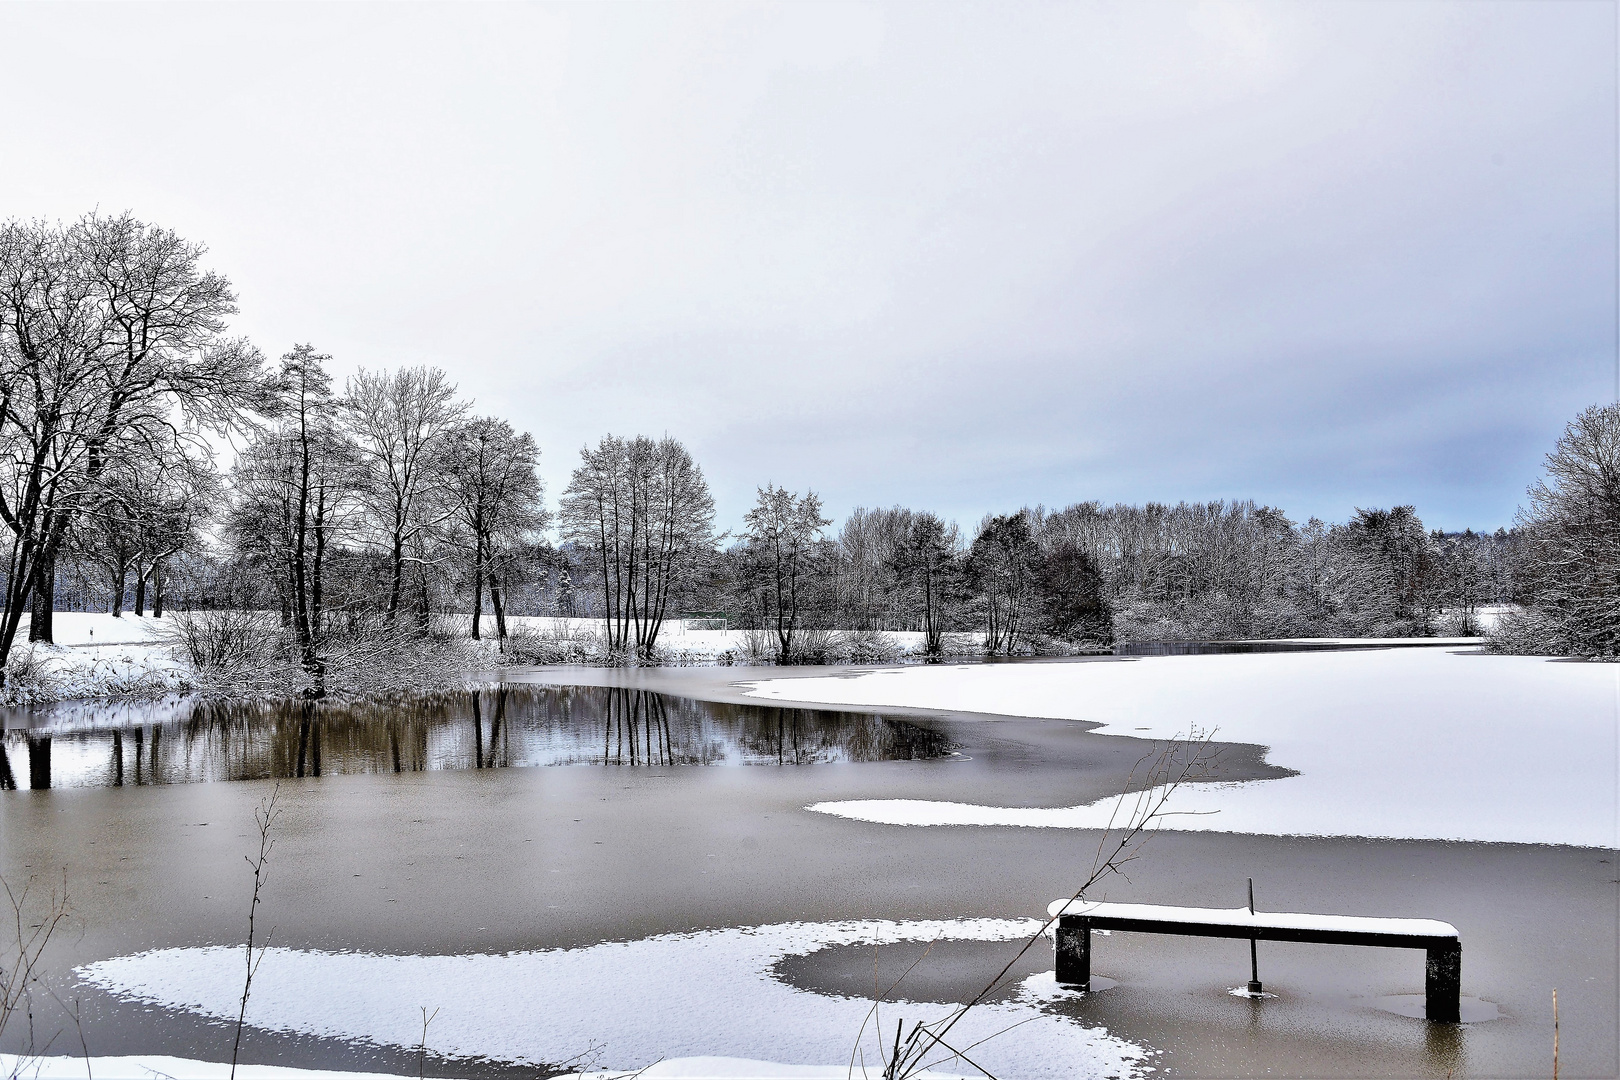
759	647
525	645
223	639
1530	632
43	673
242	654
1460	622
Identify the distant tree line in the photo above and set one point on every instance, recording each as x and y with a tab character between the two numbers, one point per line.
378	508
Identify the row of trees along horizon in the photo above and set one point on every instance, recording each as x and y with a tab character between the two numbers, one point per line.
390	504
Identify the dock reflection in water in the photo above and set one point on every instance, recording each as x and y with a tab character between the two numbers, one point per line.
182	741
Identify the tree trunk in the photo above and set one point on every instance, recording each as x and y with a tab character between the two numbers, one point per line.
120	586
478	584
500	608
157	588
302	626
40	623
140	591
426	612
318	666
396	583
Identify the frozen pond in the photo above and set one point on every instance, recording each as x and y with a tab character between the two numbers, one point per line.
1409	744
668	906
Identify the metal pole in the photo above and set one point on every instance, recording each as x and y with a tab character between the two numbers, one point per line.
1254	958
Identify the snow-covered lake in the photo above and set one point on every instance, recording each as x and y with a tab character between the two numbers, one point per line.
1403	743
720	919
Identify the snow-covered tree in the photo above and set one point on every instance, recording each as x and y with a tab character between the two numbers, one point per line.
643	509
1570	563
784	534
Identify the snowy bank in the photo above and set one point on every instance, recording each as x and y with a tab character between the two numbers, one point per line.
1404	743
694	995
161	1067
94	657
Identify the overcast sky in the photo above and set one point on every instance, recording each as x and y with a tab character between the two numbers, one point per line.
960	257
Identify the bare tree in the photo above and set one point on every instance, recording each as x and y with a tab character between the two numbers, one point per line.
21	967
644	511
928	558
869	591
400	422
148	509
497	501
783	530
110	333
295	487
1002	565
1570	557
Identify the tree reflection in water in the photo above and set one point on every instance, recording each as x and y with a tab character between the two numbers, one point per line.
181	741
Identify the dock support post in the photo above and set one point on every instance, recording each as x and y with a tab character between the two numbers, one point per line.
1074	952
1442	983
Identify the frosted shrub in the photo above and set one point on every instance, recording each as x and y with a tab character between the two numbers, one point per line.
1530	632
759	647
867	647
1459	623
223	640
813	647
527	646
29	678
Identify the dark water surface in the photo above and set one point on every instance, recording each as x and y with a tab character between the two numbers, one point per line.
181	742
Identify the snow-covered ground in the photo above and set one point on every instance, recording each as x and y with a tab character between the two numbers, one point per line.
159	1067
1403	743
73	628
690	644
95	656
690	995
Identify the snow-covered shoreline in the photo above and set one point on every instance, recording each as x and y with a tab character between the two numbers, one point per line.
164	1067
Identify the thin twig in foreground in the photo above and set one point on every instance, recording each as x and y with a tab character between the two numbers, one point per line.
265	817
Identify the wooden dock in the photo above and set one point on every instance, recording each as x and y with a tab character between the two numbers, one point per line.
1439	940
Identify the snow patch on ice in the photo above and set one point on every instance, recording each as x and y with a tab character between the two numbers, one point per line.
671	996
1042	988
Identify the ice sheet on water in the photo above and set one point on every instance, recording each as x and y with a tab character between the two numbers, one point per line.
1399	743
706	993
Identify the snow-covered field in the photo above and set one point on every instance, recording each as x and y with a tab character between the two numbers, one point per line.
666	997
693	645
159	1067
1403	743
95	656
